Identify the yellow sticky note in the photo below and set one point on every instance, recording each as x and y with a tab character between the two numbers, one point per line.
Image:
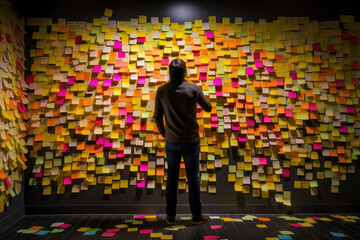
108	12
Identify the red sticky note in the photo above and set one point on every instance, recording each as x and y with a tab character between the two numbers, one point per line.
286	172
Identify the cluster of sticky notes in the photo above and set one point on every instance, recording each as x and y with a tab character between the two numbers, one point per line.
284	95
58	227
12	104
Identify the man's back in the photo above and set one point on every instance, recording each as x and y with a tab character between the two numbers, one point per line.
178	103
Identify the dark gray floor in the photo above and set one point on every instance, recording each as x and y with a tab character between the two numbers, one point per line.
247	229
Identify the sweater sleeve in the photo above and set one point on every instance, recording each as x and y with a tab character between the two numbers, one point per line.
158	114
202	101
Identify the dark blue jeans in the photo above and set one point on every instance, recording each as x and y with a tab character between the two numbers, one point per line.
190	152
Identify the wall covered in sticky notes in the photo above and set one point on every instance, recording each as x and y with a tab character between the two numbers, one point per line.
284	93
12	105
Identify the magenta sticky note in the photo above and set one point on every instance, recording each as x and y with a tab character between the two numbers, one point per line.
143	126
141	39
213	124
141	80
165	61
108	234
296	225
270	70
314	218
139	216
141	184
8	37
312	107
144	231
196	53
292	94
62	92
343	129
285	172
210	34
65	225
39	174
293	75
98	120
256	55
242	138
280	82
317	146
350	109
143	167
108	142
249	71
267	119
213	118
121	54
107	82
129	119
20	107
202	76
117	76
217	82
215	226
122	111
60	100
71	80
262	161
7	182
100	140
211	237
218	92
120	154
97	69
259	64
118	45
66	148
288	113
250	122
18	64
112	230
339	83
30	78
94	82
67	180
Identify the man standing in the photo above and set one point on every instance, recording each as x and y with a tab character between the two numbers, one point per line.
177	100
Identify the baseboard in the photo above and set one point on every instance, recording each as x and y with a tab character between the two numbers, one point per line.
12	218
185	209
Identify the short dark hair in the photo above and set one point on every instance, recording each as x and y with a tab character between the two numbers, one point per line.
177	70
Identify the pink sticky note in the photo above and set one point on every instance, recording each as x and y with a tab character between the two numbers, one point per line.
67	180
66	148
30	78
20	107
317	146
65	225
296	225
203	69
112	230
314	218
242	138
213	118
285	172
7	182
120	154
144	231
259	64
267	119
235	126
217	82
141	39
117	45
39	174
262	161
165	61
339	83
210	34
71	80
215	226
202	76
107	82
143	126
312	107
94	82
218	92
213	124
18	65
122	111
139	216
141	184
250	122
196	53
60	100
292	94
141	80
143	167
8	37
280	82
98	120
117	76
62	92
97	69
249	71
293	75
108	234
211	237
288	113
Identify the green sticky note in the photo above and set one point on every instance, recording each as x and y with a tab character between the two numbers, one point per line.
185	218
57	230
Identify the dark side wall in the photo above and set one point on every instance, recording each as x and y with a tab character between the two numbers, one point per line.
135	200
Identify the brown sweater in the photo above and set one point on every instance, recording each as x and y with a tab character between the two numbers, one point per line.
178	103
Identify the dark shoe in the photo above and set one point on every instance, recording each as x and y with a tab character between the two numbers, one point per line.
170	220
200	219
